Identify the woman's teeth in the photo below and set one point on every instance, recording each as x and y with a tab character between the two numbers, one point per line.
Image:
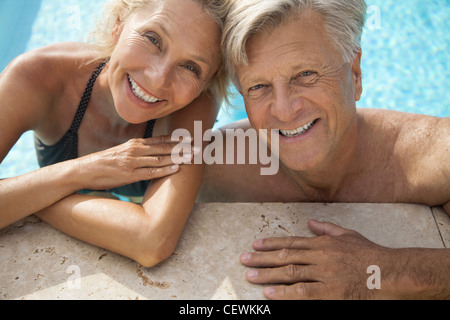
297	132
140	94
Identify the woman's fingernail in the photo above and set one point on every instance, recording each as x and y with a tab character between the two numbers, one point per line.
175	167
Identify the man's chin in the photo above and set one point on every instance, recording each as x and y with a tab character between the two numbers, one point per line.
298	162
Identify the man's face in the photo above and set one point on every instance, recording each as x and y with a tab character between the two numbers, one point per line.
296	81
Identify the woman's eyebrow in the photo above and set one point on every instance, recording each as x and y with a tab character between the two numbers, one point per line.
163	29
194	57
201	59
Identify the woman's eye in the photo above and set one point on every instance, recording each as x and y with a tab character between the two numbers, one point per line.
153	39
191	68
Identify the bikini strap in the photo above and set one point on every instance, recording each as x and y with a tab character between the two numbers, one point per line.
149	129
86	98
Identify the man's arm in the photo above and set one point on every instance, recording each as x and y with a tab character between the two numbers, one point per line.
335	265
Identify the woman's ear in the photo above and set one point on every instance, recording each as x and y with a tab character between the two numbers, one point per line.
117	30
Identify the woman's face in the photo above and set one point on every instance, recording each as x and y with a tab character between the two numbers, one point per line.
164	58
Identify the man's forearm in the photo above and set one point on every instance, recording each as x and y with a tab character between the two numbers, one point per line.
419	274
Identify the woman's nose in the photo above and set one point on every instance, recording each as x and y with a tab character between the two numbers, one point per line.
159	75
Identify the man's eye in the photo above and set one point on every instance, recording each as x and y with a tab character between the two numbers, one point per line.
306	78
306	73
257	87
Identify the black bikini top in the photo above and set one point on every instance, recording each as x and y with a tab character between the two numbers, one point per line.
67	148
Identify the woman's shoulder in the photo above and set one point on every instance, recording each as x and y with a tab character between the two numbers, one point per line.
47	67
34	81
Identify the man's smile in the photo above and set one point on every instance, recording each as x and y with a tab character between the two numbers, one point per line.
299	131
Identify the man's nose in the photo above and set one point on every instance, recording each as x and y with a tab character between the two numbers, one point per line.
285	105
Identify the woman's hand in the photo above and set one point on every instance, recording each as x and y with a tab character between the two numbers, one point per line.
133	161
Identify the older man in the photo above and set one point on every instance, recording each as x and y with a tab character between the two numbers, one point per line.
297	64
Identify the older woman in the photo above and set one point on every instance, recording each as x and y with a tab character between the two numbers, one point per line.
102	114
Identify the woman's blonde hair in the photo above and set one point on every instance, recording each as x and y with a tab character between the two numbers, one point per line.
344	21
102	41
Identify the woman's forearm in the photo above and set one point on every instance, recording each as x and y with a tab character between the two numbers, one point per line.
122	227
147	233
136	160
27	194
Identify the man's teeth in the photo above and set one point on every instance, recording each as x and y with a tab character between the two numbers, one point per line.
140	94
299	131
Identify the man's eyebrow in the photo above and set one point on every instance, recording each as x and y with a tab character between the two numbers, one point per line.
247	82
257	79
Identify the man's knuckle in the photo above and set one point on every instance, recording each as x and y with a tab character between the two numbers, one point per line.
325	239
301	290
291	242
284	254
292	271
265	273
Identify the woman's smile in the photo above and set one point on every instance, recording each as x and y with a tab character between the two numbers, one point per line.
141	93
140	99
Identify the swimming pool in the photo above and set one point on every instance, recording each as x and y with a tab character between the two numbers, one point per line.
406	62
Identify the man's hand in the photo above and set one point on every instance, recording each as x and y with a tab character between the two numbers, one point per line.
335	265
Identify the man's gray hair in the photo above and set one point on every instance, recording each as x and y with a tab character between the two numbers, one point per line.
344	21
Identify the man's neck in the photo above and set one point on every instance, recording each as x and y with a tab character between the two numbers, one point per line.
324	182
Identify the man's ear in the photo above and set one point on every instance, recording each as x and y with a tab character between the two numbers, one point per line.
357	75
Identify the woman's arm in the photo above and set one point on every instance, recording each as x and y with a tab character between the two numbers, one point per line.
146	233
28	93
26	99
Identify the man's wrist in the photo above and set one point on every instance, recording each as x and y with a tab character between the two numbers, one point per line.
417	274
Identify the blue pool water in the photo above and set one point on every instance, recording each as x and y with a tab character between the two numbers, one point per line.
406	59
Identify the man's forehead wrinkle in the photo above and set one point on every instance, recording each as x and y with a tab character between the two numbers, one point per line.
280	51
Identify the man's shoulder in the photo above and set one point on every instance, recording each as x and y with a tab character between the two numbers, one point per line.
407	128
418	145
